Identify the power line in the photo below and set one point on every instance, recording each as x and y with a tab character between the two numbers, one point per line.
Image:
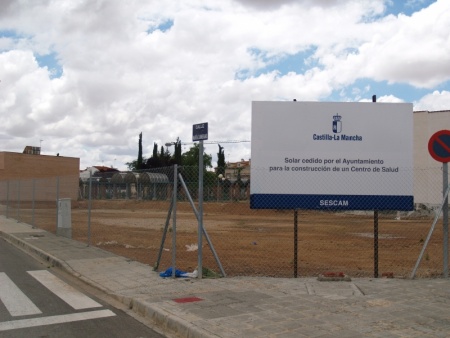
217	142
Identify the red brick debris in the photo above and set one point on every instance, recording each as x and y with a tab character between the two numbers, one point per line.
333	274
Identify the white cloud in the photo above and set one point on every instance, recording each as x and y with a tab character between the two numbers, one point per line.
118	80
438	100
413	50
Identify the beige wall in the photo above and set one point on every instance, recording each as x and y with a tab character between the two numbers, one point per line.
44	169
428	171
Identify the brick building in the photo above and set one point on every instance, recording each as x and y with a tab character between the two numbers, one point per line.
47	172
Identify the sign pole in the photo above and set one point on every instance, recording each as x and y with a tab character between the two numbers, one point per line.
445	217
200	133
174	220
375	230
295	243
200	210
439	149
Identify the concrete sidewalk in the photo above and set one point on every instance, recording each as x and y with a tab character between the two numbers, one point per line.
249	306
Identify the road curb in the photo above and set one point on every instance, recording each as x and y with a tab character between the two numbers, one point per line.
169	322
159	317
32	250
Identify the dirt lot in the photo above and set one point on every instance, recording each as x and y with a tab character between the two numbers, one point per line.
257	242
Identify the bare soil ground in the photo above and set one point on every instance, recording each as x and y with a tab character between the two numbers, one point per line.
256	242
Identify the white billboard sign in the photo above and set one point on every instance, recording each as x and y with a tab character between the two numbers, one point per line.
332	155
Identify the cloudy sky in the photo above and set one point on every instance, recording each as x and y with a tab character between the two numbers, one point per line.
83	78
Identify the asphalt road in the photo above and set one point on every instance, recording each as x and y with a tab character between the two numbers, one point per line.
38	301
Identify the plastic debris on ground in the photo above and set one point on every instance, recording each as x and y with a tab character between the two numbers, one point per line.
179	273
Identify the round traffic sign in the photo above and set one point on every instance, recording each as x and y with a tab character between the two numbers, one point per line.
439	146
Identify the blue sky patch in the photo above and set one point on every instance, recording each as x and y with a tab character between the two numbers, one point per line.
7	33
406	7
51	62
365	88
163	27
297	63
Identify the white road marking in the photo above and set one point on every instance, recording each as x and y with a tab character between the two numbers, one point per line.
33	322
67	293
15	300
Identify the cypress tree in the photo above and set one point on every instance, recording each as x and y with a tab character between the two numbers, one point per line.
221	161
139	163
177	154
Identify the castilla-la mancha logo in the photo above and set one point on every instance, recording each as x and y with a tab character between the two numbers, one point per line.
337	124
337	135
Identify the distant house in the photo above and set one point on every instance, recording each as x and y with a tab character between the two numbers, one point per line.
236	170
101	179
97	172
32	150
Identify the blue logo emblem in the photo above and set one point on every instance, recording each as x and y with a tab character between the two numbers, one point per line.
337	124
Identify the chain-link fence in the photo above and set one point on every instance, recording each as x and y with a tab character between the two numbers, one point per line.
34	201
130	214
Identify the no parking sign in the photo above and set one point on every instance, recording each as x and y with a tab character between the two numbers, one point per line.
439	149
439	146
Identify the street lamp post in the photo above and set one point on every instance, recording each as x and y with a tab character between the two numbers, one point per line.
174	214
220	178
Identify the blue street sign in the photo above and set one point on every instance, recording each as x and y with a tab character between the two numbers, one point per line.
200	131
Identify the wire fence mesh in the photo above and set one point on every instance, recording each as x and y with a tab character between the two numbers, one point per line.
129	212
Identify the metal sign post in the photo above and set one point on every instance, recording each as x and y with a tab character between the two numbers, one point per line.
200	211
375	229
174	220
445	217
439	149
295	243
200	133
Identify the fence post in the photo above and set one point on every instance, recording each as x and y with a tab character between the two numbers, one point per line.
375	243
7	199
57	204
33	203
89	207
18	201
295	242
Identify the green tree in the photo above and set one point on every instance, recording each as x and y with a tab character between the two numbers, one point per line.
164	157
155	150
133	165
137	164
191	157
190	172
140	160
177	157
154	162
220	161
